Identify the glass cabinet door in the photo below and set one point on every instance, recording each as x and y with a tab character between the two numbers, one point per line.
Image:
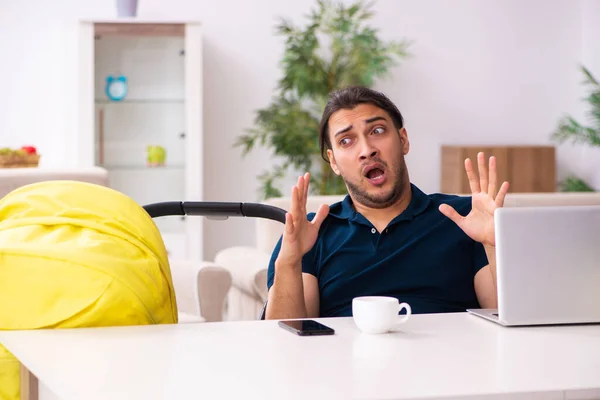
140	119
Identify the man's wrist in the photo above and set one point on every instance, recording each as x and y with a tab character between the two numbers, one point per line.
284	272
287	266
490	251
489	247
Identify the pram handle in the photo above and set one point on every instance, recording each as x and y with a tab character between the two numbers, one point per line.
215	209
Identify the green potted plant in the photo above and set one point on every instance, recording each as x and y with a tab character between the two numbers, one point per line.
335	49
571	130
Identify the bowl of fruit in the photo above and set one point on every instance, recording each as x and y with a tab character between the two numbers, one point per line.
25	157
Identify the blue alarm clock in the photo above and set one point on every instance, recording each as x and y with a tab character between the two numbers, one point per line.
116	88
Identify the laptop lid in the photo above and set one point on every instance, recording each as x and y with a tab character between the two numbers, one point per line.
548	264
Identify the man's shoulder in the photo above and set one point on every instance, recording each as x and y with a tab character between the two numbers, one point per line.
458	202
334	223
336	210
339	208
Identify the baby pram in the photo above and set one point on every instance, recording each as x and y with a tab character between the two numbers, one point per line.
76	254
217	210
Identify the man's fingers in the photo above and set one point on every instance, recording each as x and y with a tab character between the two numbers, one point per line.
473	181
295	207
451	213
306	185
320	216
483	173
493	178
501	194
300	185
289	225
305	192
294	199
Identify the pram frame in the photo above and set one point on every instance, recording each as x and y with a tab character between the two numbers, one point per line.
217	210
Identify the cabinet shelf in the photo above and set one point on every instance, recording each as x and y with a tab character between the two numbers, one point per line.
175	167
141	101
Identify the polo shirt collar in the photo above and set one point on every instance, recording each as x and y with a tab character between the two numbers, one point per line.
418	203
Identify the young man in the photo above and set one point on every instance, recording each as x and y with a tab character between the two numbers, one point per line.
387	237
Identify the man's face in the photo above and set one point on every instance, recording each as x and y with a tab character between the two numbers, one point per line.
367	151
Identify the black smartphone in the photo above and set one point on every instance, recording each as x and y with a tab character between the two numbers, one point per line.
306	327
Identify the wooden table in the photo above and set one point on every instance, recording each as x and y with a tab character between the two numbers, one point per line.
431	356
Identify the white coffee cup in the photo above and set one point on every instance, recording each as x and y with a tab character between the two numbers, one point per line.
378	314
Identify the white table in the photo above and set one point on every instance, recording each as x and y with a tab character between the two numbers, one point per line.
453	355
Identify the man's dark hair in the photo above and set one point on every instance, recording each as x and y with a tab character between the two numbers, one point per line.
349	98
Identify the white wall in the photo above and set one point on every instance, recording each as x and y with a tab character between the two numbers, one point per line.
483	72
585	160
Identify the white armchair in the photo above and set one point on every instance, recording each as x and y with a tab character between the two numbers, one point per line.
248	265
201	290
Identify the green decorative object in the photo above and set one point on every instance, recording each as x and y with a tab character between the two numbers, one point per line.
157	156
334	50
574	184
571	130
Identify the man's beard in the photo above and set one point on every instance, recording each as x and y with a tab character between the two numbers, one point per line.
382	200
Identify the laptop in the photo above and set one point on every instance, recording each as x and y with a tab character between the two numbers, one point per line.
547	266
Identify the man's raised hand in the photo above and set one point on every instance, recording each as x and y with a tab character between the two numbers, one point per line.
300	234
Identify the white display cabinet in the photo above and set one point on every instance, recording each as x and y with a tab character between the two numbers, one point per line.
161	63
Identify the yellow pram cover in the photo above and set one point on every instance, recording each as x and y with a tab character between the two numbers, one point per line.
74	254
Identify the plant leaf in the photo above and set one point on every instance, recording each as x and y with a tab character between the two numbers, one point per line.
569	129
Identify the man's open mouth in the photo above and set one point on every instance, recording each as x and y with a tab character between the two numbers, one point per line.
375	174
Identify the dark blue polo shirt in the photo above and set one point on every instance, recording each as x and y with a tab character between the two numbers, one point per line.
422	258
